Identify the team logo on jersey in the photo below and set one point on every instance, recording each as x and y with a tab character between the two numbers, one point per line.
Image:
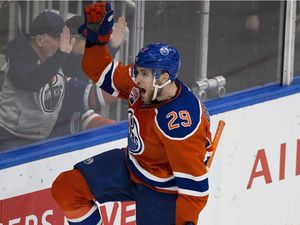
134	95
52	94
135	142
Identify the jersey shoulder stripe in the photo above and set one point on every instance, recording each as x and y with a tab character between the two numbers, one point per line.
106	79
181	117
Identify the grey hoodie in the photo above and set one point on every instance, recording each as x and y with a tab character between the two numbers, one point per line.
32	92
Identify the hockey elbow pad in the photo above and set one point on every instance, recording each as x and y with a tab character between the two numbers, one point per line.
98	24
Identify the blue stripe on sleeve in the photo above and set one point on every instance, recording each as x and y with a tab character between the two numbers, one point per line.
107	83
188	184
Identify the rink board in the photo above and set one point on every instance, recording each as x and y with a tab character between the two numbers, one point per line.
254	179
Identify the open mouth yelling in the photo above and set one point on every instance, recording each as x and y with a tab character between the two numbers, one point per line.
143	94
142	91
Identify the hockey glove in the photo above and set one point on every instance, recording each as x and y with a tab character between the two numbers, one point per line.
98	24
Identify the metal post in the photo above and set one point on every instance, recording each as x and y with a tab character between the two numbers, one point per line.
138	30
203	86
201	66
289	42
42	6
79	8
35	9
50	5
27	17
12	20
64	9
123	56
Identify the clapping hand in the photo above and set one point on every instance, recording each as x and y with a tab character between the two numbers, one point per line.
66	42
118	33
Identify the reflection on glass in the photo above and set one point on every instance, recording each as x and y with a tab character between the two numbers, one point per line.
243	40
243	43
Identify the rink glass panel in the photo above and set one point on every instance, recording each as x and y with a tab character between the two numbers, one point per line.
244	42
297	42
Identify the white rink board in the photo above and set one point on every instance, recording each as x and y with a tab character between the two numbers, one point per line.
40	174
28	178
264	126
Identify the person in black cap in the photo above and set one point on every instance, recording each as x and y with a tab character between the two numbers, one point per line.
28	107
35	89
47	23
50	36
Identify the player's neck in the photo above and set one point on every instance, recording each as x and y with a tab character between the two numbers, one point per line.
168	92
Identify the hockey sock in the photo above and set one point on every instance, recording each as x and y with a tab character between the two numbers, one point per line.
91	218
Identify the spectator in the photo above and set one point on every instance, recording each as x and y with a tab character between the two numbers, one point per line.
34	88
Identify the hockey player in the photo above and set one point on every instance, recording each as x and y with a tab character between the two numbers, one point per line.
163	168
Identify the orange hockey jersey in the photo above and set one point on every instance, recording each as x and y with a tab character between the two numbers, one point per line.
167	142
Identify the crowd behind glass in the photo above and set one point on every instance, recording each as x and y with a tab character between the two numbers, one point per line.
244	37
